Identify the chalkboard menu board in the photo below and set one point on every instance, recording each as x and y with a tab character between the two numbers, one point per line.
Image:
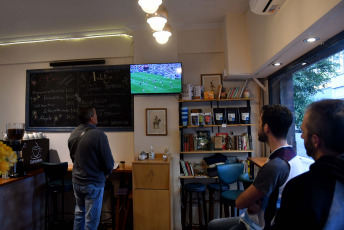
53	97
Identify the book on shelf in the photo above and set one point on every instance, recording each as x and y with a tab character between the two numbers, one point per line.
182	163
232	93
188	167
243	89
236	92
219	89
250	141
229	92
188	142
191	167
244	141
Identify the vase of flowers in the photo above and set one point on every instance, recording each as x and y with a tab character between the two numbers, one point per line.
7	158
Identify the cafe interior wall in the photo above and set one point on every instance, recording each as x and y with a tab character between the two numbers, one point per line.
204	55
16	59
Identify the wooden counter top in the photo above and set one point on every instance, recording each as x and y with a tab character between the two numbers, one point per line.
4	182
259	161
126	169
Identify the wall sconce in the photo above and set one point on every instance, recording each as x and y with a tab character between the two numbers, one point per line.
158	19
162	36
149	6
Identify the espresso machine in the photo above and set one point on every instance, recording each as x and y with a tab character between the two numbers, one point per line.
15	133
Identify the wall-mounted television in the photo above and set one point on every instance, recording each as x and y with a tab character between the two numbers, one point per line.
160	78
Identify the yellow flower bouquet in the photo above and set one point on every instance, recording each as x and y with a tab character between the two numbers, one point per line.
7	158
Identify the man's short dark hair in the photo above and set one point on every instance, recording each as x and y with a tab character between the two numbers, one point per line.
85	113
279	118
326	120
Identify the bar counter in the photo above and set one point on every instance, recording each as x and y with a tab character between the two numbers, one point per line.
35	172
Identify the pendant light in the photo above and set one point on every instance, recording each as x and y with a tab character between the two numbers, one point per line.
162	36
149	6
158	19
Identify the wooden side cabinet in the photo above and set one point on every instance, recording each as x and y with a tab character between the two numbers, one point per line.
152	194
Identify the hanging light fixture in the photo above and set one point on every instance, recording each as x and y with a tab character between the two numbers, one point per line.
162	36
158	19
149	6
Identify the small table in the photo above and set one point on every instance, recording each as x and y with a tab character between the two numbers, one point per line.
258	161
127	170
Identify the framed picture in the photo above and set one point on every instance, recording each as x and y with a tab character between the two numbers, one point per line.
156	122
211	82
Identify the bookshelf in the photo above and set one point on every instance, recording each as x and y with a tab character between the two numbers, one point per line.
187	130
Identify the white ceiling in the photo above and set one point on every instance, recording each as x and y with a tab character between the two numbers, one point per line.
45	17
36	18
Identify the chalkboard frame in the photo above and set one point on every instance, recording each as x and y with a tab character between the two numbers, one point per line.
68	128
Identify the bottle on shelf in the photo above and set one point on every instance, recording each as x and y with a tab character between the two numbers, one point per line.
151	155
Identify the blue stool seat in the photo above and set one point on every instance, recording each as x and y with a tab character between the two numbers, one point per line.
216	186
212	187
187	192
195	187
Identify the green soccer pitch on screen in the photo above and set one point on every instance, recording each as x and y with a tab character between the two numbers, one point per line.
163	78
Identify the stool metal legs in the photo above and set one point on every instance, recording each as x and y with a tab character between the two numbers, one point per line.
201	205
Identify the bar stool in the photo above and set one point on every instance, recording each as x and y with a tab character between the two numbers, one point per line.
188	190
229	174
106	216
121	197
212	188
127	210
56	184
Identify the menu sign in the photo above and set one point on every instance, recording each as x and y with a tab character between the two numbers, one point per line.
53	97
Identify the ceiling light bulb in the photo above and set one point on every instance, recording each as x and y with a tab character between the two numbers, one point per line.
162	36
157	20
311	39
149	6
276	63
304	63
156	23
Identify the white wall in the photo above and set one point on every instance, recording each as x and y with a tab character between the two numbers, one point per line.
15	60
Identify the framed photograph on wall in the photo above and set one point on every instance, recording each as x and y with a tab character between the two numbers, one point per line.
211	82
156	122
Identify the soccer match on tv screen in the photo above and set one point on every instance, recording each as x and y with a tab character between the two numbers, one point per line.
156	78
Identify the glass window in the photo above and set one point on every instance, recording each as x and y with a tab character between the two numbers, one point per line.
317	75
323	79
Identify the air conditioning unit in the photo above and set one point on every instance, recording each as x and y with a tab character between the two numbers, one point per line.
265	7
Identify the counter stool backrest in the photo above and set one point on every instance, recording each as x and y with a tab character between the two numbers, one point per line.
229	173
54	174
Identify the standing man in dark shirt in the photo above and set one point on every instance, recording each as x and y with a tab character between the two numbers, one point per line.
315	200
93	162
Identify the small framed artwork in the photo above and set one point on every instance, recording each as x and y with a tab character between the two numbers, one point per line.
211	82
156	122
